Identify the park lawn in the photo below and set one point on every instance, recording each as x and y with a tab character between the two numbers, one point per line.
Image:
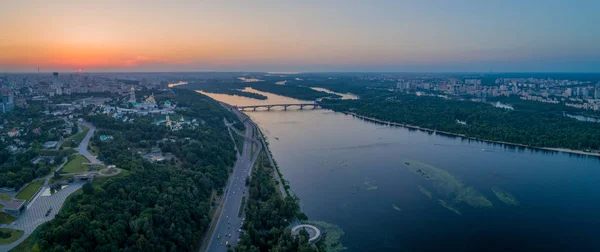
74	164
5	218
77	137
29	244
14	235
100	180
93	149
5	197
31	189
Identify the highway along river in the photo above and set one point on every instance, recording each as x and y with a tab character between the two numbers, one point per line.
385	188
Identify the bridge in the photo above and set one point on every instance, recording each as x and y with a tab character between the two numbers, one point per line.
285	106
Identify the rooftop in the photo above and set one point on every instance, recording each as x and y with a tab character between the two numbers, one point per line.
14	204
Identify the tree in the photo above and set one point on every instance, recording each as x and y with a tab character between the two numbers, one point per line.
56	175
88	188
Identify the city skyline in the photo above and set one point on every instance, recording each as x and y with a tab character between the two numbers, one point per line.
336	36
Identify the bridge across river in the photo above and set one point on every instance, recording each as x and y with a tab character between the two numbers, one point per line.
284	105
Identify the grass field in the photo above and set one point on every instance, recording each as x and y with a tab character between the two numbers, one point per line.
4	197
93	149
74	164
28	191
28	245
77	137
6	219
14	235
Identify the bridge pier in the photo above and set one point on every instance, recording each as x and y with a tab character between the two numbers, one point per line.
254	109
285	107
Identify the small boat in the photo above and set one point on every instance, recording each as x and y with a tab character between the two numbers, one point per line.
407	163
276	138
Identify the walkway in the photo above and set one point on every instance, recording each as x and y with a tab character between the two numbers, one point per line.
82	149
34	214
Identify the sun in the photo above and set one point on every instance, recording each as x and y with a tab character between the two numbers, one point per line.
79	70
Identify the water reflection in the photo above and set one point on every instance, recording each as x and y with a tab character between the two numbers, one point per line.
178	84
354	174
347	96
245	101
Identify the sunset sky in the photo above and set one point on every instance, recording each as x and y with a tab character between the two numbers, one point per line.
345	35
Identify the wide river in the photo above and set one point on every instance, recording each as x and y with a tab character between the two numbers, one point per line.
395	189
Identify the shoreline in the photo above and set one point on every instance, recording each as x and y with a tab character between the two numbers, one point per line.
563	150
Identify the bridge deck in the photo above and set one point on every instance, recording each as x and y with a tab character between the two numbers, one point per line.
284	105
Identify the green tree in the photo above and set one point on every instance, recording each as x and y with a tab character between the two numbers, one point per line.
88	188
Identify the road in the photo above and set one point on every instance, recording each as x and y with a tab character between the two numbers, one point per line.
228	223
82	149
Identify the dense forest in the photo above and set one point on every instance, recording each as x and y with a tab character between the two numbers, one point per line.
294	89
157	206
529	126
268	216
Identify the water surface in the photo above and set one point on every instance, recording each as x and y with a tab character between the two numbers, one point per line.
395	189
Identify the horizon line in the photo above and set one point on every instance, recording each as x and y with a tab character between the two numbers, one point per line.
307	72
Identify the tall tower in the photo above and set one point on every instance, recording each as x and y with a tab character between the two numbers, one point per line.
132	94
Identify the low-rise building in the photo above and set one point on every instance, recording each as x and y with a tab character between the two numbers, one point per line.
14	207
13	133
105	138
50	145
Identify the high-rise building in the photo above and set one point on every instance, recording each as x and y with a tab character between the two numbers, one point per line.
56	85
7	97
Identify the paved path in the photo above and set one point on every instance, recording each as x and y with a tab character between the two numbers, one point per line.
34	214
82	148
228	221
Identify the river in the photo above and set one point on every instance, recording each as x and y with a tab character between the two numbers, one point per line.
395	189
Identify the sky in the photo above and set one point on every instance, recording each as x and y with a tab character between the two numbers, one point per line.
300	36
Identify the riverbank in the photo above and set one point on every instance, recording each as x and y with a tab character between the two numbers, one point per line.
579	152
